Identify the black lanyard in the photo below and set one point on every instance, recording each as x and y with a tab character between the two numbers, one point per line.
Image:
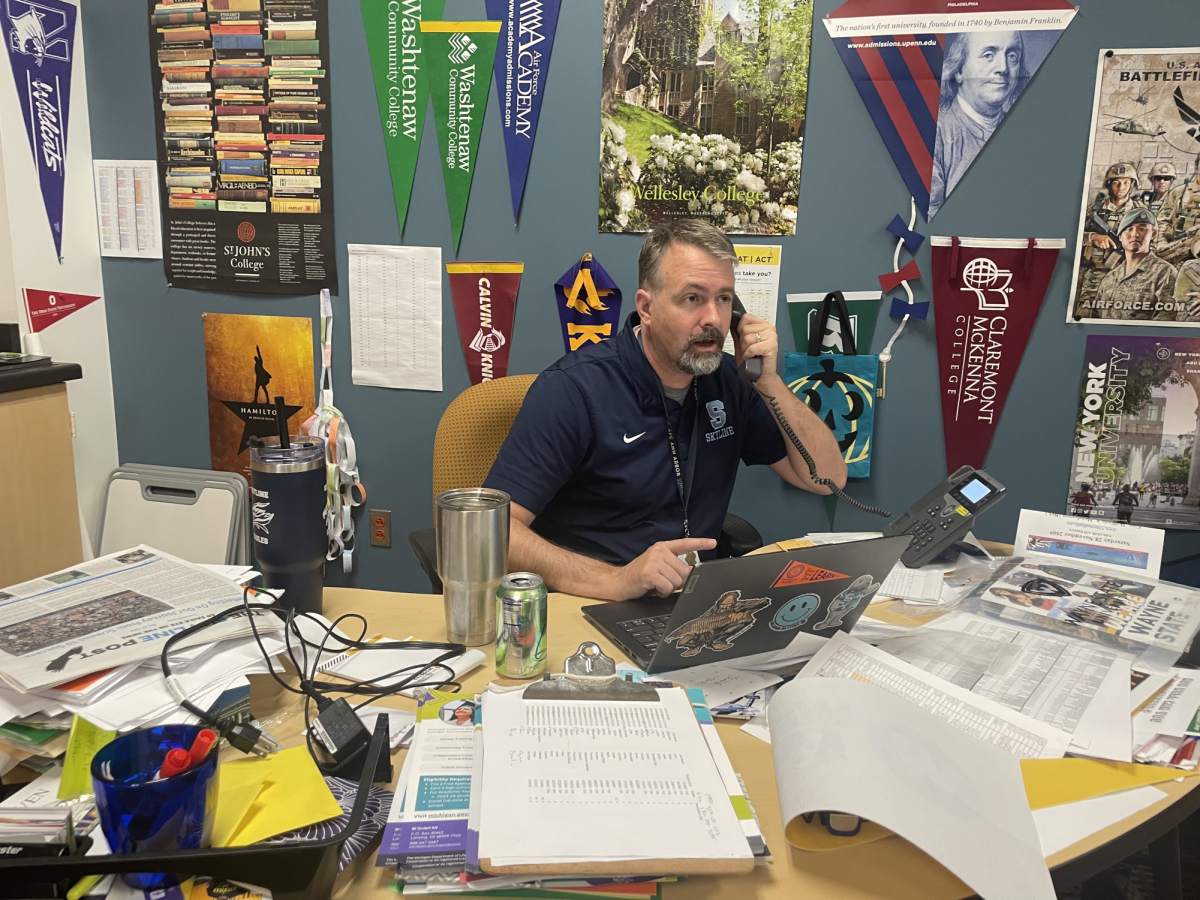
683	480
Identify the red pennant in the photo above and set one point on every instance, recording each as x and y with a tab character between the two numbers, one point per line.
987	294
890	280
47	307
802	573
485	302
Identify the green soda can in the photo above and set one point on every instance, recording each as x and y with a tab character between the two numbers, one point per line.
521	625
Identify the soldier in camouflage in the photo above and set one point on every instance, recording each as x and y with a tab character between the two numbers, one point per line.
1187	288
1178	221
1162	176
1100	253
1142	286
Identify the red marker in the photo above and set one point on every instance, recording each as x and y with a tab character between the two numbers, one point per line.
177	761
200	747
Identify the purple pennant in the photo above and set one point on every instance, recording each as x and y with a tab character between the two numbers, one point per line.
522	65
902	308
912	240
589	304
41	40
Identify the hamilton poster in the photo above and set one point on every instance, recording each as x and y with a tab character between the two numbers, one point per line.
702	113
1135	432
1136	259
244	150
251	360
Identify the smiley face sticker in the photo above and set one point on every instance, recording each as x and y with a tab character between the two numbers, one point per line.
795	612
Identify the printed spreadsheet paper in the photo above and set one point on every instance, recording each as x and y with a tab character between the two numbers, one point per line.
127	209
396	316
847	657
612	780
756	280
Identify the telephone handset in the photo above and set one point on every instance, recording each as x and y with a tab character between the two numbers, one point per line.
749	371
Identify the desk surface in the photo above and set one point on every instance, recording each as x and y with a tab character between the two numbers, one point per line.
891	868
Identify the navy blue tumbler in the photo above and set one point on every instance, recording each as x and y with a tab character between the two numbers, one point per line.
287	493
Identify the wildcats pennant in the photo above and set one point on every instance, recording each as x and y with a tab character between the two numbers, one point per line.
802	573
485	304
41	41
522	66
938	79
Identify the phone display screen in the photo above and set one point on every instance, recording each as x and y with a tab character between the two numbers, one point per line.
975	490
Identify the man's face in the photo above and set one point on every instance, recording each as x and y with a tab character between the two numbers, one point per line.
1136	239
989	73
687	317
1119	188
1162	184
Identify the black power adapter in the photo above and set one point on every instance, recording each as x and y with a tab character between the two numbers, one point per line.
339	730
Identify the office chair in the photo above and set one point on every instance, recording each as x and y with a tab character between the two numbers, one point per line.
468	439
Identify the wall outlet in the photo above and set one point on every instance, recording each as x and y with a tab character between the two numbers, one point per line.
381	527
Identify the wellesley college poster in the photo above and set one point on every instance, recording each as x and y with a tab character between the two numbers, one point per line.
702	113
242	114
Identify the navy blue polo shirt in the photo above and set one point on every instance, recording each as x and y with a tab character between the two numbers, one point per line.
588	453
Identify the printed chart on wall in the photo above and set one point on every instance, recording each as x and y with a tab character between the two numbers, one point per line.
702	113
244	152
1135	432
1137	258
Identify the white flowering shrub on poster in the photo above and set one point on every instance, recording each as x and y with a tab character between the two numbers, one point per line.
619	173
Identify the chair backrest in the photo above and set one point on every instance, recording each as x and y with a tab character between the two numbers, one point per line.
472	429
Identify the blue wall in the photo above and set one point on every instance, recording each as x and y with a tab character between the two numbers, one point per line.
1027	181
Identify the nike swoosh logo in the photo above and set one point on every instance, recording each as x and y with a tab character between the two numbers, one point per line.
630	440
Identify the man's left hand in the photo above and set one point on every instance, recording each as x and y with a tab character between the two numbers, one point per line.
757	338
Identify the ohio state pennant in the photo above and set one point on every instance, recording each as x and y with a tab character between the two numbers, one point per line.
47	307
485	303
589	304
986	296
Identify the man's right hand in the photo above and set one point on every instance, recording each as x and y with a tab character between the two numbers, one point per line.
1103	241
659	570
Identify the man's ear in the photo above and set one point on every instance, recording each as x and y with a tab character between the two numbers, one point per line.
641	302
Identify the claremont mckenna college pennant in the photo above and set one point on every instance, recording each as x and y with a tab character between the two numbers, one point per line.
939	76
987	293
485	303
459	57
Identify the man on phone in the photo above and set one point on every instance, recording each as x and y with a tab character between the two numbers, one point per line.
623	457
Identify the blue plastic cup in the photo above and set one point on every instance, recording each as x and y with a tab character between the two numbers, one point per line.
140	815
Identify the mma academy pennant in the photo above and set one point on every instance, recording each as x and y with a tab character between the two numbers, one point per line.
459	59
485	303
987	293
41	44
589	304
522	66
396	46
939	76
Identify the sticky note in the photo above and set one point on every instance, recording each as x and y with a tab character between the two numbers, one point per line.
238	786
85	739
294	795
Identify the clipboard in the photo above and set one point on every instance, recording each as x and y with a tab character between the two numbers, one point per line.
589	675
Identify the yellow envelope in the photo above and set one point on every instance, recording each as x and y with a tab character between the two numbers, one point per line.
1052	782
295	796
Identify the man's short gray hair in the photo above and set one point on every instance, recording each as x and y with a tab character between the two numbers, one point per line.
709	238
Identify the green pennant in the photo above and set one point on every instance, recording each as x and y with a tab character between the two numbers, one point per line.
863	314
459	59
396	46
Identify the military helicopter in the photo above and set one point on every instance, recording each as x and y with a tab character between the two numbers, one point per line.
1133	126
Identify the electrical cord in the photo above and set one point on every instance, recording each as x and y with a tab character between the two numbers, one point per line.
812	466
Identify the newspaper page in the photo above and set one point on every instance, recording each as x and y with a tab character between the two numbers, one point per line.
109	611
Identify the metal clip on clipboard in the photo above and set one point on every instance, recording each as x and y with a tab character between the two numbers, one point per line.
589	674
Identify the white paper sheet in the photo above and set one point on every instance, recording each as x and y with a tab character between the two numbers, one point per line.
846	657
721	684
1105	731
396	316
843	745
127	207
601	780
756	280
1149	683
1089	540
1171	712
915	585
1059	827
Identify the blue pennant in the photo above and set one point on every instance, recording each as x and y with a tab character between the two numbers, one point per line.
902	308
912	240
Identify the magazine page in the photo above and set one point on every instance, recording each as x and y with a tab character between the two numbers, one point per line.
1075	539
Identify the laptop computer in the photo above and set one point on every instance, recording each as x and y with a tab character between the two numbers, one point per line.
733	608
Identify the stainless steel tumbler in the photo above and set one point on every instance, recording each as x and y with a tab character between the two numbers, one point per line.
472	555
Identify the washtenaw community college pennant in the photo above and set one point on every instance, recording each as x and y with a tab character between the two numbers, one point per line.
938	76
522	66
459	57
47	307
396	47
589	304
987	293
485	302
41	45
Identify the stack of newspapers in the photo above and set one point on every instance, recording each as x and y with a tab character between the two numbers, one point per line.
84	644
642	784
